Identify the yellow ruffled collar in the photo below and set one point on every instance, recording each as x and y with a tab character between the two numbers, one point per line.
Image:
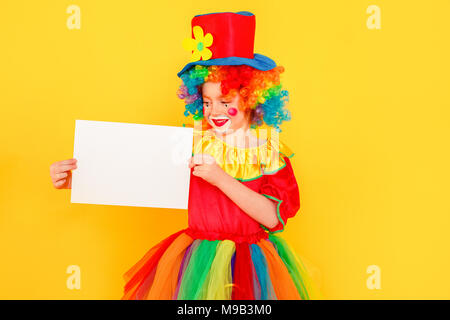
243	163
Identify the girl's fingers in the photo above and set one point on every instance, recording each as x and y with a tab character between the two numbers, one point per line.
60	183
200	172
55	166
200	159
191	162
197	158
69	161
65	167
59	176
207	158
199	169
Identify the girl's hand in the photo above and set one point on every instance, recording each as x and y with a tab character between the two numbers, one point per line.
61	175
205	167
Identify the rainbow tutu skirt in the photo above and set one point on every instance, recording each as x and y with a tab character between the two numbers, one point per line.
181	267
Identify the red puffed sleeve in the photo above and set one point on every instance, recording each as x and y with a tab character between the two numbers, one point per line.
282	188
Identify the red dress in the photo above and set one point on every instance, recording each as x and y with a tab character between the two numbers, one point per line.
224	253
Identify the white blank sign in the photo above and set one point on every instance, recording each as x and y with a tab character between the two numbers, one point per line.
131	164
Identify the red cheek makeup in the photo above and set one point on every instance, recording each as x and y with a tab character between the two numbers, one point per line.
232	111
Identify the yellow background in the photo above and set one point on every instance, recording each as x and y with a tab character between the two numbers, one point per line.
370	131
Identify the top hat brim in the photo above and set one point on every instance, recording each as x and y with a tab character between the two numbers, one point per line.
259	62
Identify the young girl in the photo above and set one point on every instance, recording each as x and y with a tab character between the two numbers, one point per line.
242	186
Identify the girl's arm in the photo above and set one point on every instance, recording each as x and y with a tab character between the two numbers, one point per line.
254	204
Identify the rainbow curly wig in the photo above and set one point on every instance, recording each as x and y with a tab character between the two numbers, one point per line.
261	94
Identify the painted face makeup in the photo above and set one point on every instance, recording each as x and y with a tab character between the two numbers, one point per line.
222	113
232	111
221	123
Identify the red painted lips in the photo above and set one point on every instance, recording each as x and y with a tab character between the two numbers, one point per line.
220	122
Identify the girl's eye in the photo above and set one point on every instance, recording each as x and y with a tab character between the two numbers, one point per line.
225	103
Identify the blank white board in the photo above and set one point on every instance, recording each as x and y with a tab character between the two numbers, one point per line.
131	164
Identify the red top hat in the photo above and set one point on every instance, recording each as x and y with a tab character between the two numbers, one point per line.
224	38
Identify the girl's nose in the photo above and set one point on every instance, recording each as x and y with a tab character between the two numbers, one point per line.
216	109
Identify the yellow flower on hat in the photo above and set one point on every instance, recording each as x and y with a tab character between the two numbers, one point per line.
199	44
